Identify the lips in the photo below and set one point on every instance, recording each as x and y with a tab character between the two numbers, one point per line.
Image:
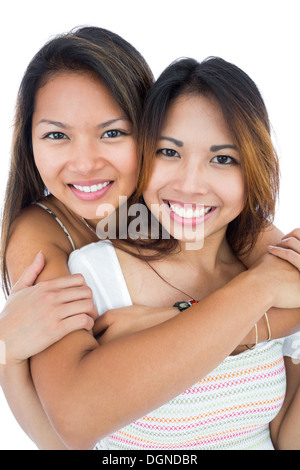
189	211
188	214
90	190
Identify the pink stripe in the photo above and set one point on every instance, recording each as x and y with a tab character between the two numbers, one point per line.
198	442
121	437
215	419
220	385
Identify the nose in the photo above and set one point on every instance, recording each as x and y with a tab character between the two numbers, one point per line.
85	157
192	179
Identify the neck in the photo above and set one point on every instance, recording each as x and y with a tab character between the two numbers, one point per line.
208	253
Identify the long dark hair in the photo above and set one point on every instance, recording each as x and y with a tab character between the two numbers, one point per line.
246	116
119	65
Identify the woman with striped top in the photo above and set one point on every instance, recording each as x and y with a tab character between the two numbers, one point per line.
209	175
74	147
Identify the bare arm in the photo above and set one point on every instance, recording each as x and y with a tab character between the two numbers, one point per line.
40	325
18	376
283	322
34	318
110	375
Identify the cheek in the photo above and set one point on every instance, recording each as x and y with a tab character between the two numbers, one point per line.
236	194
127	161
151	193
44	160
232	191
129	172
44	165
157	179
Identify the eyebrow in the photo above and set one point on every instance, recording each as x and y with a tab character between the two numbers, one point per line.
213	148
111	121
179	143
216	148
53	123
66	126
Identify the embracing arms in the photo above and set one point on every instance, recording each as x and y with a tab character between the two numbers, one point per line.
156	344
35	317
162	360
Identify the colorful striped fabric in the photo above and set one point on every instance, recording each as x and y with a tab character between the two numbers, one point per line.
230	408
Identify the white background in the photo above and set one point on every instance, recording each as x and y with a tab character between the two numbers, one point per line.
260	36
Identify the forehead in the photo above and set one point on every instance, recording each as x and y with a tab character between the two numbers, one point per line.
68	93
197	115
62	80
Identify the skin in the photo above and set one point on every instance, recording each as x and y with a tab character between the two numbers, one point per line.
35	224
206	270
190	174
216	186
76	117
188	171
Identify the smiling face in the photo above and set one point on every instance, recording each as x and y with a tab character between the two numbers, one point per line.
83	144
197	185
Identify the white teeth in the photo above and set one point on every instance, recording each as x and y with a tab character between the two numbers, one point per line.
91	189
189	213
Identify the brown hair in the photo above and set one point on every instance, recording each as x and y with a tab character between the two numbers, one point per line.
246	116
117	63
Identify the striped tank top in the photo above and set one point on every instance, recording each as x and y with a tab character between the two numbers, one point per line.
230	408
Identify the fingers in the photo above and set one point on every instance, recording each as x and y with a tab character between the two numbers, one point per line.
291	243
286	254
77	307
289	248
71	280
30	273
78	322
66	296
75	316
294	233
68	325
101	324
69	294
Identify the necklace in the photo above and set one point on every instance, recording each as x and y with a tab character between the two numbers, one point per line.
163	279
88	226
167	282
147	262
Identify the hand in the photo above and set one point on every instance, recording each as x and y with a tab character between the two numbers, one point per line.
289	248
280	279
36	316
126	320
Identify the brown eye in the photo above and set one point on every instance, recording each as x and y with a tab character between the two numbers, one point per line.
112	134
56	136
224	160
168	152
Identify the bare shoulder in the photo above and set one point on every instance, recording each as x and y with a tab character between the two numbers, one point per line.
269	236
34	230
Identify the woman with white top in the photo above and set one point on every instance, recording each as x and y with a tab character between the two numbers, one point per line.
208	175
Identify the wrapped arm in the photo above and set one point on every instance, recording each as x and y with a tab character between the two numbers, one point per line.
115	376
